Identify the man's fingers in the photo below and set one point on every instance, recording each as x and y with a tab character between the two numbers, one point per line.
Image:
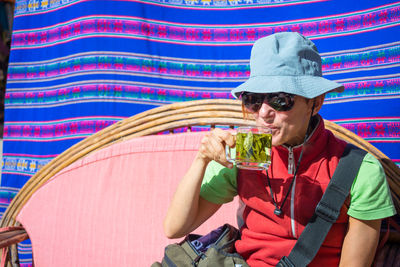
213	146
230	140
225	136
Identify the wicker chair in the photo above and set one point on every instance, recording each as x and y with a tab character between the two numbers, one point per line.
184	116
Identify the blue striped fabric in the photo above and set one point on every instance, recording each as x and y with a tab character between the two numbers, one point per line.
77	66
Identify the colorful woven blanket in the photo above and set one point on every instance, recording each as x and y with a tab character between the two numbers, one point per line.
77	66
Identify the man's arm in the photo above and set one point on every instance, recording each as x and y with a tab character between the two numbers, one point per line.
188	210
360	243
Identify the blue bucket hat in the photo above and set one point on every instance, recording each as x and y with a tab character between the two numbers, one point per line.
286	62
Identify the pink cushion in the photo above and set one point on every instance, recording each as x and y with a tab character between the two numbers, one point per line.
107	208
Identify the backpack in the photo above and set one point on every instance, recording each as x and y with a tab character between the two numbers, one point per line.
214	249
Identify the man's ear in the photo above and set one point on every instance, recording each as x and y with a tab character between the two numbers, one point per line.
318	101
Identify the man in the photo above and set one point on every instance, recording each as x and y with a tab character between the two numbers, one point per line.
284	92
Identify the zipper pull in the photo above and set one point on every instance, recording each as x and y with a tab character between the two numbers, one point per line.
291	161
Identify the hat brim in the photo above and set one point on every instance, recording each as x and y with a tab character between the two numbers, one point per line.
306	86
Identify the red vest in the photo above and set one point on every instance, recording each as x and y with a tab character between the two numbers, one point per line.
266	237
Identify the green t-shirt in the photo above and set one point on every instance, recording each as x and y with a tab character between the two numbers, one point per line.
369	196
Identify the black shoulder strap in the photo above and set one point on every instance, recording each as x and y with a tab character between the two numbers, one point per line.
327	210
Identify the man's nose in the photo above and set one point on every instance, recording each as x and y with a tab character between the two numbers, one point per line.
266	111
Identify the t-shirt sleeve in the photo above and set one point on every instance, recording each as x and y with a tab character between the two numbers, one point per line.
219	183
370	197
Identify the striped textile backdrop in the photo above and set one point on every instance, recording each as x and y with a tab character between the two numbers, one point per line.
77	66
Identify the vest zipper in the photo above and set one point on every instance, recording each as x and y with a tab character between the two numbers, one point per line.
290	161
291	166
292	221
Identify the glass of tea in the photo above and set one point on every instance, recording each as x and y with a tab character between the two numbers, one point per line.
253	148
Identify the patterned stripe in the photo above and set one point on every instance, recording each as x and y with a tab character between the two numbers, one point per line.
135	64
367	88
45	6
374	130
152	100
34	7
74	128
226	4
23	165
102	62
195	34
368	58
25	253
6	194
62	121
374	119
117	54
24	246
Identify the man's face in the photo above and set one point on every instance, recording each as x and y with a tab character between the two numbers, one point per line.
288	127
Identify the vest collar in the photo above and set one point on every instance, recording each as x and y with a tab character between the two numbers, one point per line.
312	147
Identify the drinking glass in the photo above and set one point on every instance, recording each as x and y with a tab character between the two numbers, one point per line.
253	148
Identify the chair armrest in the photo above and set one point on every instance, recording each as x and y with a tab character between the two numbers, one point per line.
12	235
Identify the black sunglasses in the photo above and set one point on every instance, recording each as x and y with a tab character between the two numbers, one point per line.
278	101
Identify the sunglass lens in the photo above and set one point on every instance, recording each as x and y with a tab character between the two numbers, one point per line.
253	101
281	101
278	101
